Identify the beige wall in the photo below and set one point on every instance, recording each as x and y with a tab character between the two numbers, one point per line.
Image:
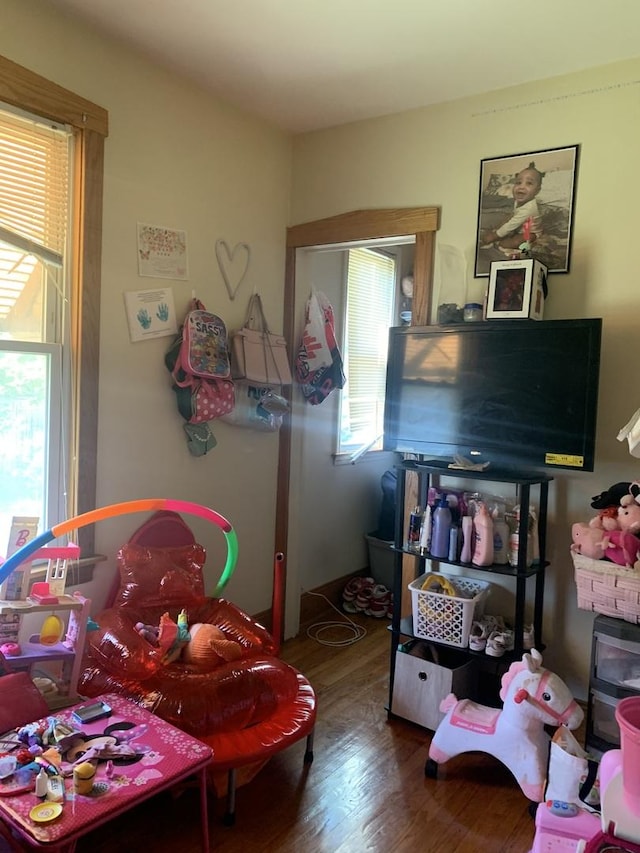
178	158
432	156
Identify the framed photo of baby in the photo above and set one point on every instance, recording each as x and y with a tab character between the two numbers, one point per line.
526	206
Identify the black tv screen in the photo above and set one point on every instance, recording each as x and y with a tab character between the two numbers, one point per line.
514	393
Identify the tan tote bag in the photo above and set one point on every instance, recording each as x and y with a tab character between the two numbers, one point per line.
257	354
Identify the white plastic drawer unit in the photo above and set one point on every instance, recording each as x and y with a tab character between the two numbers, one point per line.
616	661
603	717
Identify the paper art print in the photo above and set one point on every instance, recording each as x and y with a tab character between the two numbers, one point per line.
162	252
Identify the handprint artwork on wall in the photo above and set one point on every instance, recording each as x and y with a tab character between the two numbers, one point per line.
144	318
150	313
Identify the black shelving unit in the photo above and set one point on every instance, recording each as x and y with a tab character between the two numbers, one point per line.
431	473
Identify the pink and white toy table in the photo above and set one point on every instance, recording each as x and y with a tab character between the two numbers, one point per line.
556	834
168	756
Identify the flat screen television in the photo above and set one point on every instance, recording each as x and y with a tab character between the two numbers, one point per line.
513	393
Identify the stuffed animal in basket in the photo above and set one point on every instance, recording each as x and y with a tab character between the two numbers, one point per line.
606	519
628	515
623	548
588	540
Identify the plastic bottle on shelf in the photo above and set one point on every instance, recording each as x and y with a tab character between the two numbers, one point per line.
467	539
441	528
415	527
533	552
500	539
425	533
482	537
453	543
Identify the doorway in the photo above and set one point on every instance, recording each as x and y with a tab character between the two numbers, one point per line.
374	226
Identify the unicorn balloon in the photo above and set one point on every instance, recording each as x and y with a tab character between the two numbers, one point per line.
532	697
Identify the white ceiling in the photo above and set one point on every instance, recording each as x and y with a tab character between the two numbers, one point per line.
310	64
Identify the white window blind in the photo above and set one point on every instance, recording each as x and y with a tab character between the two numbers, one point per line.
369	313
34	186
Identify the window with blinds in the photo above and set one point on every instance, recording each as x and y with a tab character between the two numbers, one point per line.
370	311
35	158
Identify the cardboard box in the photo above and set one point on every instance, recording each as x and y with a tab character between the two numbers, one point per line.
517	290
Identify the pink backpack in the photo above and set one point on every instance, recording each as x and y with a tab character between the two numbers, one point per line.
203	349
198	361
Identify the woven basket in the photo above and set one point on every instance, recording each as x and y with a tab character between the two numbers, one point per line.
607	588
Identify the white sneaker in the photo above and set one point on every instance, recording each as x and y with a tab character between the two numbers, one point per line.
497	644
480	631
478	637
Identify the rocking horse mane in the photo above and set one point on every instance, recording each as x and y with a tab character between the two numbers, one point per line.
535	659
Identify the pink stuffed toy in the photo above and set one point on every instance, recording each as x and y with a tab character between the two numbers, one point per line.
623	548
629	515
589	541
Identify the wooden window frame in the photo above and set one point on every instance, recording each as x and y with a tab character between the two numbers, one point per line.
29	91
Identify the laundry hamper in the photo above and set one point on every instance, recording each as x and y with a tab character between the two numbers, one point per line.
607	588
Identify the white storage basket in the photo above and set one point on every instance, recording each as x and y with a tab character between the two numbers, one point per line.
445	618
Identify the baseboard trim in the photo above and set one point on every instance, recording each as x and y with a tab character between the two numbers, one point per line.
313	606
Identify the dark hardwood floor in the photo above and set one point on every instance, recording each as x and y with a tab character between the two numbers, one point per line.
365	790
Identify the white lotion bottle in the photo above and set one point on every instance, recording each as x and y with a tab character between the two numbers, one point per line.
467	539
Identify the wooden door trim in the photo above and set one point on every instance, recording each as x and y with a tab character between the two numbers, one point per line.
377	224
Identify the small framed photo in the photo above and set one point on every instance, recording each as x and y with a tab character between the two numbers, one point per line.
517	290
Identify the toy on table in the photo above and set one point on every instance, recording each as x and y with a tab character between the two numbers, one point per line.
533	697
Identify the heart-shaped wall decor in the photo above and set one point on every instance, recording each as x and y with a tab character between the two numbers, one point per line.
233	263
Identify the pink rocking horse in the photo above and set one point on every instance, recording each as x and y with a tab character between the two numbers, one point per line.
532	698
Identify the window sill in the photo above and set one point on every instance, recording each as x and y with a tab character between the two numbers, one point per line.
347	458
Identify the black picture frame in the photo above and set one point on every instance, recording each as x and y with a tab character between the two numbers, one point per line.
553	208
